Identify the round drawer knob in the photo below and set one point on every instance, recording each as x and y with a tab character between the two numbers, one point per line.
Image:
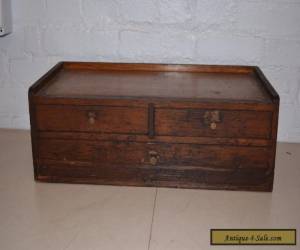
153	157
153	160
212	118
213	125
91	117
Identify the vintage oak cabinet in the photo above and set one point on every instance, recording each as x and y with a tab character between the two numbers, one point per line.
189	126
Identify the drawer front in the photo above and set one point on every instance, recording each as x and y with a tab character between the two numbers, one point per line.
213	123
129	154
123	120
219	157
170	165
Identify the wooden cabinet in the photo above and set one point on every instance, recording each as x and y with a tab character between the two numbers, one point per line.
190	126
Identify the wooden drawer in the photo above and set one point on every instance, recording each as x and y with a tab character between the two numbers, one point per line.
213	123
181	155
92	119
171	165
152	154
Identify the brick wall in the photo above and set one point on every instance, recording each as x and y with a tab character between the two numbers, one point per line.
261	32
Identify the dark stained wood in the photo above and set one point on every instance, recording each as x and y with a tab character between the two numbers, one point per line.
246	179
156	139
151	120
159	103
92	118
189	126
120	153
31	95
74	169
157	67
266	84
133	84
232	124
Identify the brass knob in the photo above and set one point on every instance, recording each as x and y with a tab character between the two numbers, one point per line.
153	157
153	160
211	118
92	117
213	125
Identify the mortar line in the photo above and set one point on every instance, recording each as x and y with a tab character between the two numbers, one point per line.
152	220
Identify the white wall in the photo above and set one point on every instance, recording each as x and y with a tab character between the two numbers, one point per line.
260	32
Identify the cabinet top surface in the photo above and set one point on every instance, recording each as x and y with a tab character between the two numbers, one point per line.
86	83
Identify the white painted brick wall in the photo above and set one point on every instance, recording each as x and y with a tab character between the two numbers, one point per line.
271	20
136	44
265	33
139	11
72	41
174	11
215	12
229	48
98	13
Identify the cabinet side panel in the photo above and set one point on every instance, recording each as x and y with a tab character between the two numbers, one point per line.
33	131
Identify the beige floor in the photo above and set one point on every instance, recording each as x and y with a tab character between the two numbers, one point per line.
63	216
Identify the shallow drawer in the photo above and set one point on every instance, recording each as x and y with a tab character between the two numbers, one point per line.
223	157
240	179
213	123
169	165
154	154
92	118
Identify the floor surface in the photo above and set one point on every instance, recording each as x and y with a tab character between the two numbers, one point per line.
89	217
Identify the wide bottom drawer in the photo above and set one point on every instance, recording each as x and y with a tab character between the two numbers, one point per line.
153	164
242	179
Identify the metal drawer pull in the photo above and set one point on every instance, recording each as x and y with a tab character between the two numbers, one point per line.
211	118
213	125
92	117
154	157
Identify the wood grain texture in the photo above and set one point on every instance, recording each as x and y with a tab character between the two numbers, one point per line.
189	126
133	84
138	154
245	180
156	138
232	124
105	119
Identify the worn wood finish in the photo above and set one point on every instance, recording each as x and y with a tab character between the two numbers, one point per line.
156	139
190	126
202	85
246	179
166	154
232	124
126	120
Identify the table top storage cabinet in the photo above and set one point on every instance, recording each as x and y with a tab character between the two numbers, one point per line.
189	126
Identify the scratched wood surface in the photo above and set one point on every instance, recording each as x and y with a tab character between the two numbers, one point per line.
189	126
